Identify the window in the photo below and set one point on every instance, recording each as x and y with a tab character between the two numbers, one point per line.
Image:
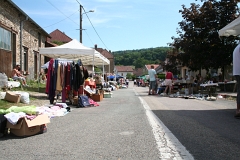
5	39
39	40
25	59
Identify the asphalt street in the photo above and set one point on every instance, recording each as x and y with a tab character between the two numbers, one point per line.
207	129
117	129
134	125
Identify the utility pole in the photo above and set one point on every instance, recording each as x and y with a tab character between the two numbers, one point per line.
80	23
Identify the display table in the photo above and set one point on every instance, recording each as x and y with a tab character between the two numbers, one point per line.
211	87
228	86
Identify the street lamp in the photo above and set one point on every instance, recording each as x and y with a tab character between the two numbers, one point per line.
81	21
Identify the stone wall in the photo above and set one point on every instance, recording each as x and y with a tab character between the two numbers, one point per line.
10	19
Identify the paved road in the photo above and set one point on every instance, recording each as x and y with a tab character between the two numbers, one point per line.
117	129
124	127
207	129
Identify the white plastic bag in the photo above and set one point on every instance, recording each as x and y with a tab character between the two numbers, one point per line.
24	97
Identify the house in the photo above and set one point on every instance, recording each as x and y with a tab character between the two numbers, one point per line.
20	40
123	70
148	66
109	56
58	36
138	72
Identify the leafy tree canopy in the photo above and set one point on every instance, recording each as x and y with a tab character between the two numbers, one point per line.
198	41
141	57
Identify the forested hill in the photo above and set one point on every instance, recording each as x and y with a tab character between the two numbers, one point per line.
140	57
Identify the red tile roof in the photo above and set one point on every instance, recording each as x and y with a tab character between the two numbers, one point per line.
124	68
138	72
59	36
104	52
50	44
148	66
107	54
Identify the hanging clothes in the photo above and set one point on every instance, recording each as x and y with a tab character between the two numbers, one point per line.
59	79
50	67
51	91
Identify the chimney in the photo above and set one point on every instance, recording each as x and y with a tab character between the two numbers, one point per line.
110	51
95	46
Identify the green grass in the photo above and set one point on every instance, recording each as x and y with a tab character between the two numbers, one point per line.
33	86
5	104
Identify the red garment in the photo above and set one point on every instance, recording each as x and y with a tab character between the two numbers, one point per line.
67	83
50	68
169	75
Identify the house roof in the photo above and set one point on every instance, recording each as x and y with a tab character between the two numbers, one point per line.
138	71
104	52
59	36
148	66
28	18
124	68
50	44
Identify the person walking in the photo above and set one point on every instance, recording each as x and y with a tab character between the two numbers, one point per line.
168	82
236	74
152	77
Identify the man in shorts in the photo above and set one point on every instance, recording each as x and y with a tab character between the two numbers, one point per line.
16	75
236	73
152	78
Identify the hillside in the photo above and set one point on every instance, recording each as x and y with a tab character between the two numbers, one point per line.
140	57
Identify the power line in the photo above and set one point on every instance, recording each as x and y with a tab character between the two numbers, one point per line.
61	12
93	26
60	20
95	30
89	37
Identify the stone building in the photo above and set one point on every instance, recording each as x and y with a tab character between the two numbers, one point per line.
20	40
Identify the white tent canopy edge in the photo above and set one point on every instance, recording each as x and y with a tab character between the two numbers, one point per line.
74	50
232	29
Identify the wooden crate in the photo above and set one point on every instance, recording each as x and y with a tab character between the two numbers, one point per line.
96	97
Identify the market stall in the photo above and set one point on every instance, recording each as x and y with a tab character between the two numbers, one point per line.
75	51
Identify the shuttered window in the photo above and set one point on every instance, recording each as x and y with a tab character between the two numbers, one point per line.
5	39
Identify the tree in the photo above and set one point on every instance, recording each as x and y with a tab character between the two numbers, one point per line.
198	41
129	76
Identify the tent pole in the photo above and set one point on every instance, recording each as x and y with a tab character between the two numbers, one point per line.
103	67
39	70
93	67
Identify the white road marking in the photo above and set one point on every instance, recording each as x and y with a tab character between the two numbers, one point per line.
168	145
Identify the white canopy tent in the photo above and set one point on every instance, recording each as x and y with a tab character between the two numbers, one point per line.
232	29
75	50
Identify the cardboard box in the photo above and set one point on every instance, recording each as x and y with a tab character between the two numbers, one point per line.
12	97
96	97
75	100
25	127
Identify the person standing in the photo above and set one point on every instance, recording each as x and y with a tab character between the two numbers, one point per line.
168	82
236	73
152	77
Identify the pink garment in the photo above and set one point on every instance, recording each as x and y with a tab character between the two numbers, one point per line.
31	117
55	108
93	102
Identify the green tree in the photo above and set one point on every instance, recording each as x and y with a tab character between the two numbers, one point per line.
129	76
198	41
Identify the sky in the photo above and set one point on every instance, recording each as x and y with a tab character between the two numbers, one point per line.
115	25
